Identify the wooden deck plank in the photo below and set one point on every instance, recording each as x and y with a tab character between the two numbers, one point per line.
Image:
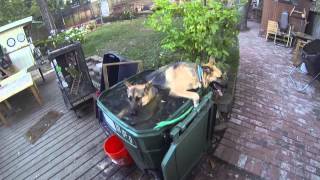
21	142
97	161
10	132
77	157
76	163
93	171
30	109
70	149
123	172
7	131
135	175
26	147
51	95
108	172
83	145
20	138
53	146
13	131
33	155
59	130
39	163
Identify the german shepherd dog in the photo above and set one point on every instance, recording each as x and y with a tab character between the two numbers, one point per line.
179	78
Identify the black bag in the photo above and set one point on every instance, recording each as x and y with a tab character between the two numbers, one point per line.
5	62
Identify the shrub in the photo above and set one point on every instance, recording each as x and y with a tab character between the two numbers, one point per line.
67	37
196	31
127	14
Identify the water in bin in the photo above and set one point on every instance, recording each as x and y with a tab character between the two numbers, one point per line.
159	109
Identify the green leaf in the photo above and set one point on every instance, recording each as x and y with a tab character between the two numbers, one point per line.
193	29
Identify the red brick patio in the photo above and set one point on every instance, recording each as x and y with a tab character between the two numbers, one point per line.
274	131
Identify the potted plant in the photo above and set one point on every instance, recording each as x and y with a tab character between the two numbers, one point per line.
67	37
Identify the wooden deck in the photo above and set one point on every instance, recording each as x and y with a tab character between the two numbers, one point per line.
70	149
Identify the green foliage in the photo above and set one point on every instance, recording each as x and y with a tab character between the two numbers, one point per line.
196	31
67	37
135	41
12	10
127	14
317	6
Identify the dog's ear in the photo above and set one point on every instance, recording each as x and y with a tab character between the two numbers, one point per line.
127	83
212	60
147	86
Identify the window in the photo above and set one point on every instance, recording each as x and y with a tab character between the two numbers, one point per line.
293	2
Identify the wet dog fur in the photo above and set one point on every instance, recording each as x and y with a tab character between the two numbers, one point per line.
179	78
140	95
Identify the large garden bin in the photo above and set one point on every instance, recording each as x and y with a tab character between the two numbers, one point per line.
171	150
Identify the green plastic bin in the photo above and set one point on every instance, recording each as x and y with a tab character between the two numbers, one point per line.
172	146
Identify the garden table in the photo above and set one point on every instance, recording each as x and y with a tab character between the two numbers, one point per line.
15	84
302	36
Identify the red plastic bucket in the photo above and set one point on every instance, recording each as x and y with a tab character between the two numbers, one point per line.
116	150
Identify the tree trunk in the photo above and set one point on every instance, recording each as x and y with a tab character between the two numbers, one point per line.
244	13
47	17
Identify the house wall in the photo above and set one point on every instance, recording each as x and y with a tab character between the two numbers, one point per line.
20	54
118	6
272	10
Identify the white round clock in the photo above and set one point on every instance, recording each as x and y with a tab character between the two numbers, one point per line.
11	42
21	37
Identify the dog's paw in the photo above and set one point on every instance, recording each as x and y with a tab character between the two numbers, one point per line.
196	100
195	104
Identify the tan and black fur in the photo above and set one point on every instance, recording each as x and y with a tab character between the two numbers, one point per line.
140	94
179	78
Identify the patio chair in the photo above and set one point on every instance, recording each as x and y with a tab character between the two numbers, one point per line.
281	30
285	37
272	29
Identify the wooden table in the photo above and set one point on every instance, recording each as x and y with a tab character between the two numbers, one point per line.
302	36
15	84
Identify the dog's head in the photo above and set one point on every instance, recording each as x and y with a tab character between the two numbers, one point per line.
211	74
139	95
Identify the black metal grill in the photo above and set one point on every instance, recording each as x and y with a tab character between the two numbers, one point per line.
311	57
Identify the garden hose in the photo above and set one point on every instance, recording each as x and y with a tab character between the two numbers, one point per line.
173	121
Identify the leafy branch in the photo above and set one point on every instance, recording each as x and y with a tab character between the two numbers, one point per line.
195	30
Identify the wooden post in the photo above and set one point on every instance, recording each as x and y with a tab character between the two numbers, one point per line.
7	104
46	16
36	94
3	119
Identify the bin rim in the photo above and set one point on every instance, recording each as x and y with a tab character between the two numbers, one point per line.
145	132
133	130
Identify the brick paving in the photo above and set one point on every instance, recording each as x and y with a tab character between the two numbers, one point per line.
274	131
